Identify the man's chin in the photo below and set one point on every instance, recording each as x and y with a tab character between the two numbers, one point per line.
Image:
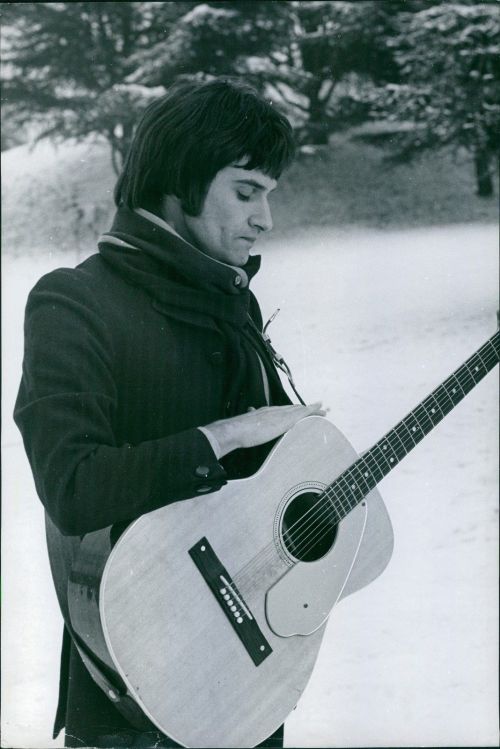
239	256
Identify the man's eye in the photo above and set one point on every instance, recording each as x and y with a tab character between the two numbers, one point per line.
244	196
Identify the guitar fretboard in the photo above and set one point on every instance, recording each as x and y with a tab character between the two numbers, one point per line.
349	489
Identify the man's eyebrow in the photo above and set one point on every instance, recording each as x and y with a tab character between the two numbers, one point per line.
255	184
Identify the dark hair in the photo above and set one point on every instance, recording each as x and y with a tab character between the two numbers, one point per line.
184	138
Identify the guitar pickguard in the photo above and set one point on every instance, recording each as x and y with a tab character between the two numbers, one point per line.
302	599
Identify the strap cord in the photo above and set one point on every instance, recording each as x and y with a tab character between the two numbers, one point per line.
276	358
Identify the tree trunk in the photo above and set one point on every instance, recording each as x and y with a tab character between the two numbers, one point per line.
115	159
484	180
317	128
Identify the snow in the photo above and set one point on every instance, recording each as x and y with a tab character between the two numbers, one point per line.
371	321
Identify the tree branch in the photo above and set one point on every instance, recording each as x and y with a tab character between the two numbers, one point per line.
279	86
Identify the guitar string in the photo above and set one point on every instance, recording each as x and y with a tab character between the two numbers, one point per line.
441	390
308	532
315	535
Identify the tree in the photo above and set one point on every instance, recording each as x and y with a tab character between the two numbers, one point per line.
340	44
449	55
234	37
296	51
65	66
90	67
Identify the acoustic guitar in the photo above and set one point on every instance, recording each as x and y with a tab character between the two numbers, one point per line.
210	612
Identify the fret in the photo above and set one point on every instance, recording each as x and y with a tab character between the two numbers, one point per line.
450	388
455	377
416	428
350	497
370	456
408	431
368	475
352	486
379	448
442	389
481	359
424	419
451	393
466	377
433	399
388	440
394	458
364	476
432	418
383	449
349	490
465	380
396	434
496	351
341	501
475	372
338	516
331	510
354	478
471	375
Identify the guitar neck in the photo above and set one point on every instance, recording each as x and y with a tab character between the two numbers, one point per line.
361	477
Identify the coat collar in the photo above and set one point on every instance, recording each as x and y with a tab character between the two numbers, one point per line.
142	230
174	273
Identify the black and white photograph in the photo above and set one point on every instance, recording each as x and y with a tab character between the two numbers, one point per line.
250	341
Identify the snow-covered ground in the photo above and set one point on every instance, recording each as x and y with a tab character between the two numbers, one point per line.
370	322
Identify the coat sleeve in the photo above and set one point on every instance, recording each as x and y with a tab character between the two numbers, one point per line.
64	411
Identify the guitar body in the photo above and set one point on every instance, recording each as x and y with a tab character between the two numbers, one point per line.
146	608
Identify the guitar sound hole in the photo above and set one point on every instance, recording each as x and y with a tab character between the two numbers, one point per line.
308	529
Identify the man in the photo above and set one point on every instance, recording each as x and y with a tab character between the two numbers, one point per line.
145	377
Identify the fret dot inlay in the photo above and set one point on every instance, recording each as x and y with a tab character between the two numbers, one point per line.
414	429
433	410
391	460
384	447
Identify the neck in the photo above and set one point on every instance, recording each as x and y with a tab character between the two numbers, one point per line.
358	480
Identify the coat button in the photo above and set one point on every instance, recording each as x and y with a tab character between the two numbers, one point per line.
202	471
216	358
203	489
237	281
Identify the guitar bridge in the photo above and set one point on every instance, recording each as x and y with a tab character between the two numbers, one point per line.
230	600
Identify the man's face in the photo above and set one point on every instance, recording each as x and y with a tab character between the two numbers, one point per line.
234	213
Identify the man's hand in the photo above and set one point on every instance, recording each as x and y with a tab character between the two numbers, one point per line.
258	426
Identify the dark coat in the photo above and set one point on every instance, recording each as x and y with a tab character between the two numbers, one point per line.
115	383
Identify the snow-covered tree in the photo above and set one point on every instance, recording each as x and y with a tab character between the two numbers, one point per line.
65	65
449	56
90	67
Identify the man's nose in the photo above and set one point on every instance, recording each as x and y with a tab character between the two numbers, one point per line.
261	218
